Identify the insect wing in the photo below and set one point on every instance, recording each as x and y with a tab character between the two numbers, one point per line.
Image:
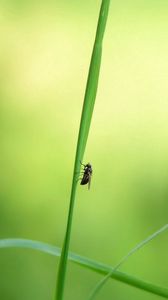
89	182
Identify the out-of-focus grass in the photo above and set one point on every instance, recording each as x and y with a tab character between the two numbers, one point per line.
93	265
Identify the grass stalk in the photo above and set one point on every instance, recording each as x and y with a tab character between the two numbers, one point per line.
123	260
88	263
88	105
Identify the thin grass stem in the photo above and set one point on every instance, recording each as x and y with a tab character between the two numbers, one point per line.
123	260
88	263
88	106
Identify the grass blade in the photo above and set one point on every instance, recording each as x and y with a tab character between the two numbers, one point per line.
89	100
135	249
87	263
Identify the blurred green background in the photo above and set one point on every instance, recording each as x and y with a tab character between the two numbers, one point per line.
45	49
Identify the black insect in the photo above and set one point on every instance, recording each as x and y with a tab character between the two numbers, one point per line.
87	174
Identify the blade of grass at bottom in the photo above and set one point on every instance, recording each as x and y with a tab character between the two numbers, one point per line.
123	260
87	263
88	105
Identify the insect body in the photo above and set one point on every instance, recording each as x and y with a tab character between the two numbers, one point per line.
86	179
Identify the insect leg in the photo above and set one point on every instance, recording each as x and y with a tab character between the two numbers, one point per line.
82	164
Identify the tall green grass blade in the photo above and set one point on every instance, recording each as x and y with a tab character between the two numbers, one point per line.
89	100
123	260
87	263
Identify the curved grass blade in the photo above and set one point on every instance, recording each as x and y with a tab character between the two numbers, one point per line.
123	260
87	263
88	105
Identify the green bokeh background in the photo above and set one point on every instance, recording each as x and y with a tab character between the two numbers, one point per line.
45	49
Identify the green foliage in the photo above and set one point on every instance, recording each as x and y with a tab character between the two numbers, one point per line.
123	260
87	263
